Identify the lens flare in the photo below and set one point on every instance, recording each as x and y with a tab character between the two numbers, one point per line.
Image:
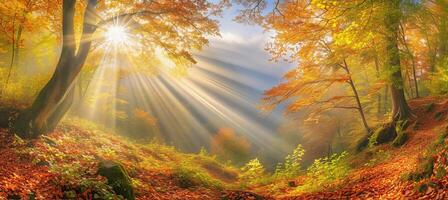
117	35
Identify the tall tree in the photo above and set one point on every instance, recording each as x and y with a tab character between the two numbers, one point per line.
348	25
176	27
392	16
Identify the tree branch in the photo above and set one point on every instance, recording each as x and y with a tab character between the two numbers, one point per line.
129	15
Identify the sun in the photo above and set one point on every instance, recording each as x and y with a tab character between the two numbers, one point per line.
117	35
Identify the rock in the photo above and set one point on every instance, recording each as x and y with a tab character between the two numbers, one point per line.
385	134
400	139
362	143
117	178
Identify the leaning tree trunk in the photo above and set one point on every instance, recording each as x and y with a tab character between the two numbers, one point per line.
49	106
358	101
61	109
400	108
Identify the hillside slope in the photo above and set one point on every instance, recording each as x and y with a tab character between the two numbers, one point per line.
386	180
64	165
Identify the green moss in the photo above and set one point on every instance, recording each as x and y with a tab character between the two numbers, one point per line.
424	170
400	139
383	134
430	107
187	177
422	187
439	116
362	144
426	167
441	138
117	178
440	172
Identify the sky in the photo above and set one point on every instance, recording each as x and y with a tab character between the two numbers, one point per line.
238	63
223	90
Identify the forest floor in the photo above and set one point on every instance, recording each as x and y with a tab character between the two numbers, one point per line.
385	180
63	165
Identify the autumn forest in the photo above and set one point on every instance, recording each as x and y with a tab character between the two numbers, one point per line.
223	99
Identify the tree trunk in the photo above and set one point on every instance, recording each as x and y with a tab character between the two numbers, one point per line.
15	45
411	55
358	101
400	108
13	50
61	109
443	33
378	95
37	119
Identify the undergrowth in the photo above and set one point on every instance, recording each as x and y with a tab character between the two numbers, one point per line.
426	167
189	176
325	172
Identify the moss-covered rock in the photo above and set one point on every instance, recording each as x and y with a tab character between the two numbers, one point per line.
362	143
400	139
384	134
117	178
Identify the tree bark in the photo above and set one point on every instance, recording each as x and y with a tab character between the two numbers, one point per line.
38	118
378	95
411	55
358	101
400	108
443	32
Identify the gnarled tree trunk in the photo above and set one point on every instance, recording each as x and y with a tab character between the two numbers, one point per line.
50	105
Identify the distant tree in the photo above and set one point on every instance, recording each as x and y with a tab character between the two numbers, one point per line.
228	146
17	17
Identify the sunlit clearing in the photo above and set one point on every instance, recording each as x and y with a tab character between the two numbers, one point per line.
117	35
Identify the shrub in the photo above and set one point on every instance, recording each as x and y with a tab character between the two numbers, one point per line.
325	171
188	177
438	84
292	166
252	172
